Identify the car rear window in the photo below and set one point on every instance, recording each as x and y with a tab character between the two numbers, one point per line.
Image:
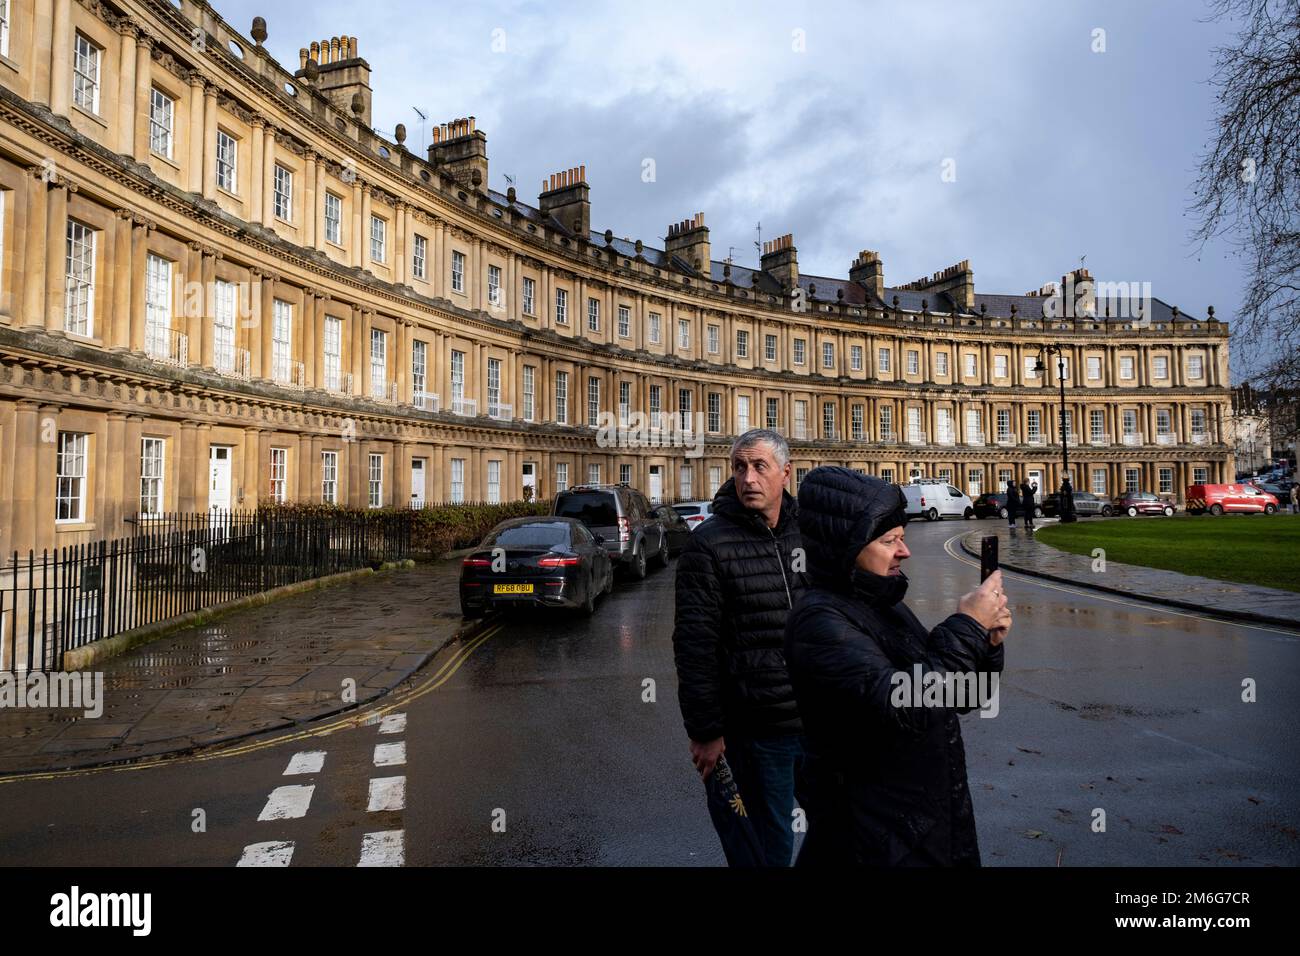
686	509
595	511
548	535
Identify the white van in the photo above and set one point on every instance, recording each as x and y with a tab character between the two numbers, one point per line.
934	498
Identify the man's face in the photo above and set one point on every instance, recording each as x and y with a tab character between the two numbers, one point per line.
885	555
759	479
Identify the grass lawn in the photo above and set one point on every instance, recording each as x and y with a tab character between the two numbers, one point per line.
1248	549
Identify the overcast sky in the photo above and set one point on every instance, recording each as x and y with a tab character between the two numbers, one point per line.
832	120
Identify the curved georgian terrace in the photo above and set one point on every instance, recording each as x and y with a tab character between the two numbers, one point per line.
222	287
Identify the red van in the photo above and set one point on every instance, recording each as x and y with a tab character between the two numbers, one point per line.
1216	499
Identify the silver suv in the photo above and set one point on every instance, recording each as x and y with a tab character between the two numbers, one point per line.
621	515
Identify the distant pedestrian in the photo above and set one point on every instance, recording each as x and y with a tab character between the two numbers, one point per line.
1028	498
1295	499
1013	503
1066	509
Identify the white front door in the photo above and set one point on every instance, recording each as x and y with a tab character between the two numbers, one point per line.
656	484
417	482
529	479
219	478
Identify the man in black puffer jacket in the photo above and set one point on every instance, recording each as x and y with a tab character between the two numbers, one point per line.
886	775
737	579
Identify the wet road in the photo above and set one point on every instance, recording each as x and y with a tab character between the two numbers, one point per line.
534	744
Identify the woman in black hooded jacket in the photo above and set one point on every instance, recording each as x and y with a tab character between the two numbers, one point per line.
885	779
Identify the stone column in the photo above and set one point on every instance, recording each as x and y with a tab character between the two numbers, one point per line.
309	339
194	319
119	335
316	218
252	469
367	320
256	173
126	105
27	435
268	175
358	357
311	202
143	88
319	303
34	249
194	173
355	246
266	326
60	55
210	142
56	246
139	253
363	233
399	243
188	452
113	492
204	350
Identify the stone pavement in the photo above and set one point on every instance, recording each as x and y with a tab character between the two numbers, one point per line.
1019	551
255	670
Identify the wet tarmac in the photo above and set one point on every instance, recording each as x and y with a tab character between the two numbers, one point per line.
539	745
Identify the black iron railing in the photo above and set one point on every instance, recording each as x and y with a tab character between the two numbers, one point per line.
174	564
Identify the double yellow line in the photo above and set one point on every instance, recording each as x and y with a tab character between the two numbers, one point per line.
369	715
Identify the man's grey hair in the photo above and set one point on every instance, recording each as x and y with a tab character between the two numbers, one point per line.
763	436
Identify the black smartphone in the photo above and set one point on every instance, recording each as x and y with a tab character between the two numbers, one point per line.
988	556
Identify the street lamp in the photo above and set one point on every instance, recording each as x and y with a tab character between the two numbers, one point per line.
1066	507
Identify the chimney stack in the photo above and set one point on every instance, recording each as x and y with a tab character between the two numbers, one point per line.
689	241
781	261
459	147
341	74
567	197
868	270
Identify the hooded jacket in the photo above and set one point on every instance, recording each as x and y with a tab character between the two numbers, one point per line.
736	583
885	782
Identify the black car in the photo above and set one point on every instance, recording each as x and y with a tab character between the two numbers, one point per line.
676	530
536	562
991	505
624	518
1086	504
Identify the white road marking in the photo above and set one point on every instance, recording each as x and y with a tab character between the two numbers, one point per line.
390	755
275	853
287	803
383	849
387	793
393	724
309	761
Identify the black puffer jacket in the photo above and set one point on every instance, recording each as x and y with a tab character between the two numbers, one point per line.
736	582
886	785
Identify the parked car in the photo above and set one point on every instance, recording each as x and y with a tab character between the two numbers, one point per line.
1086	505
695	512
1281	490
1236	499
1134	503
623	517
536	561
991	505
675	528
933	499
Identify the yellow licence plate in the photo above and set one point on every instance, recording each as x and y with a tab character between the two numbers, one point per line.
512	589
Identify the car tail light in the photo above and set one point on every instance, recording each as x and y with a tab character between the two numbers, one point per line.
476	563
695	519
923	501
559	562
623	532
